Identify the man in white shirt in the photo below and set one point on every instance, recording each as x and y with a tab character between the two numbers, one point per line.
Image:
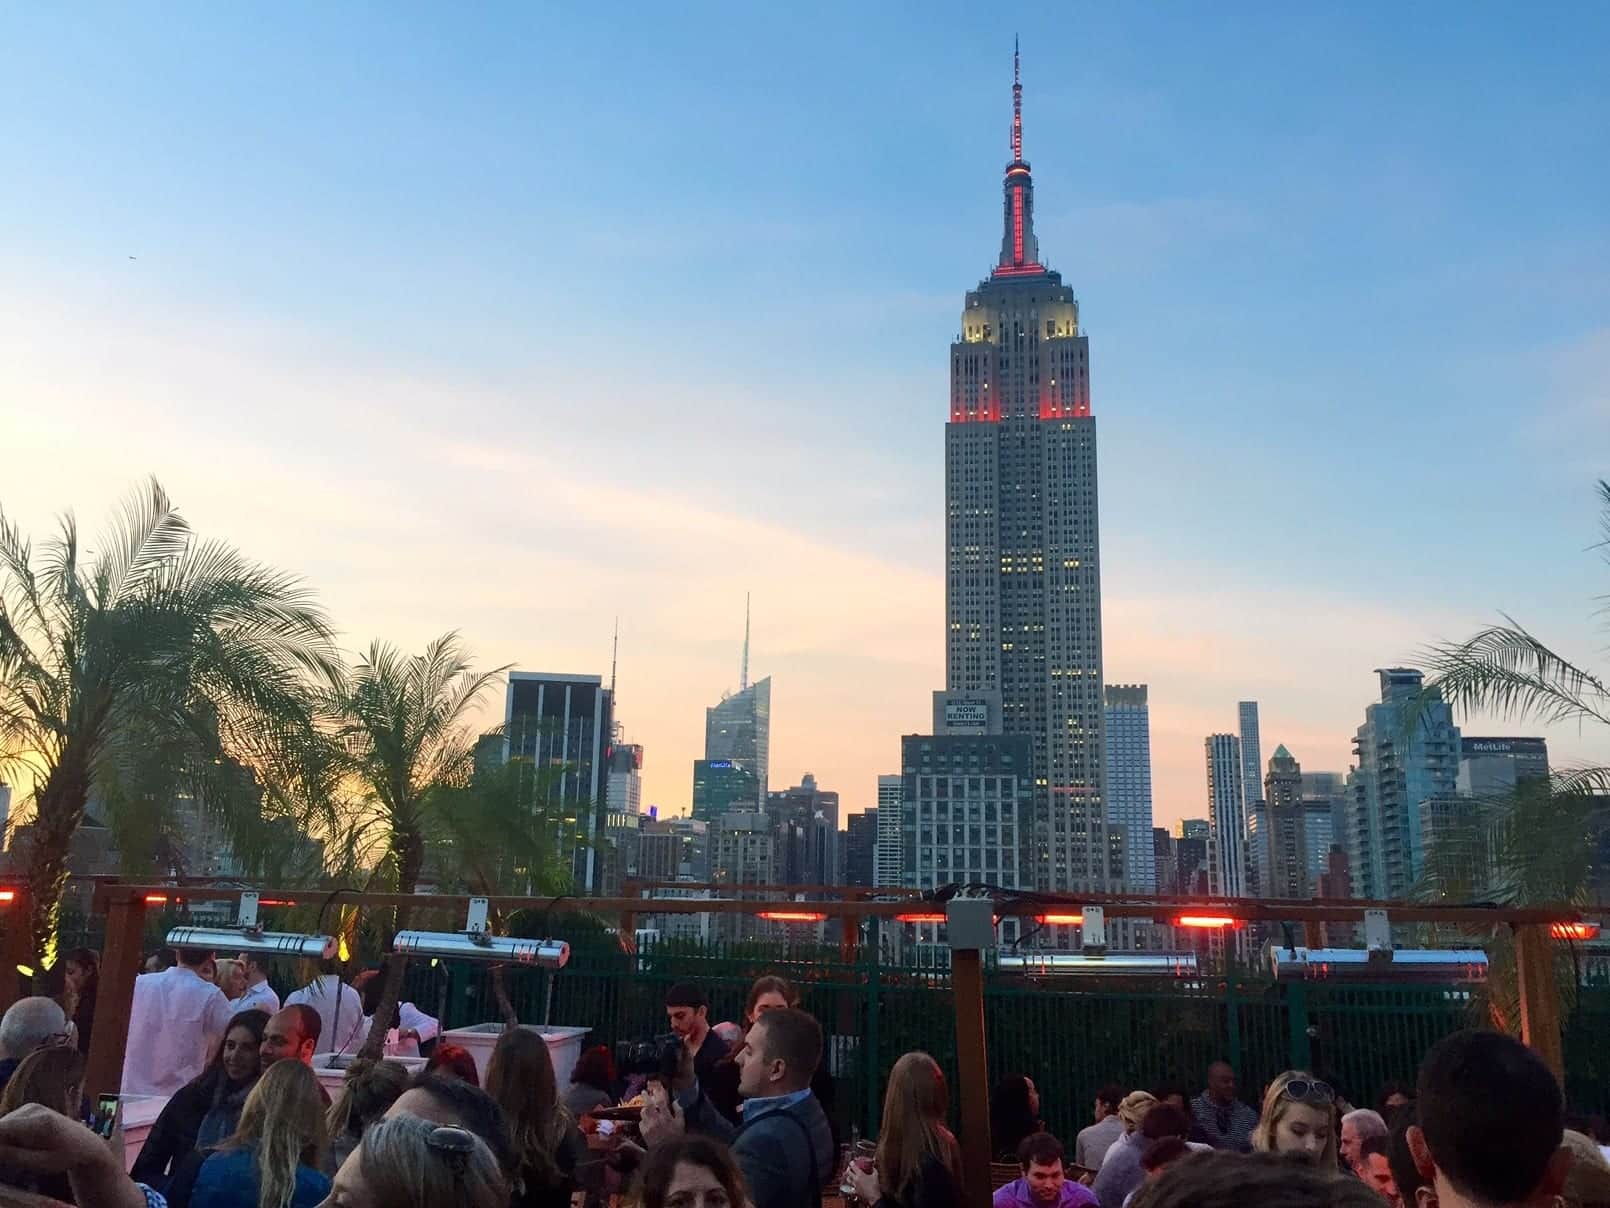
340	1012
176	1024
259	994
411	1025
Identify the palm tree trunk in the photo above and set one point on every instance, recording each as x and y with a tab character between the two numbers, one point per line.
410	859
500	991
60	809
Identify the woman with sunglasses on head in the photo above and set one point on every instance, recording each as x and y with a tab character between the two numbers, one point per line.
1299	1119
203	1112
406	1162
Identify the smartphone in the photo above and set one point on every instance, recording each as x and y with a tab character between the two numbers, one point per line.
106	1115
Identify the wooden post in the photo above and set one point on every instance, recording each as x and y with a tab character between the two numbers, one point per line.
849	938
17	949
120	965
1313	935
1539	994
967	987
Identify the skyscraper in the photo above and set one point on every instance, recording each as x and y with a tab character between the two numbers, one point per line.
887	870
1283	847
805	820
1251	753
739	729
1408	754
1129	782
1495	767
860	844
720	785
1023	579
624	794
1165	857
1227	840
565	722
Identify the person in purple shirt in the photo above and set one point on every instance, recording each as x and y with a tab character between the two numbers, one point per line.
1044	1183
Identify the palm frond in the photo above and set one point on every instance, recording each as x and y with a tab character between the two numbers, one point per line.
145	537
1506	670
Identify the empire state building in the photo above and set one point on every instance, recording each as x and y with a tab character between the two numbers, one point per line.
1023	555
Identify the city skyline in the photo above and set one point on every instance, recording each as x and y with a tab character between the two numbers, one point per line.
348	351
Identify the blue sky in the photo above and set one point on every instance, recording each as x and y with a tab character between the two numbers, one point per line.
514	318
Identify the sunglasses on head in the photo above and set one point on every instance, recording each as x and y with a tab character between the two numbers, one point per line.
457	1143
1304	1091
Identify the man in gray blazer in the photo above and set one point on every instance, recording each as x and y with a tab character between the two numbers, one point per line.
784	1145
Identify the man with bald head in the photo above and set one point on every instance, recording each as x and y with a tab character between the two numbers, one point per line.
292	1034
1225	1121
30	1024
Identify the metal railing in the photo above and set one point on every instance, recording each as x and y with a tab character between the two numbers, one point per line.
1071	1038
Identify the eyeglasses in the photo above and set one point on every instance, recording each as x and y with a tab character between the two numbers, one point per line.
1305	1091
61	1039
457	1143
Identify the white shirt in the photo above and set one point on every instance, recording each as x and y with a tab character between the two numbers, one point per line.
321	994
176	1025
260	997
408	1016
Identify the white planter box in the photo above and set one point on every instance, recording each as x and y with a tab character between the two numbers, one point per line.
564	1046
139	1113
331	1070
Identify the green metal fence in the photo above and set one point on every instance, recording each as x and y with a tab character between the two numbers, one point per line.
1070	1037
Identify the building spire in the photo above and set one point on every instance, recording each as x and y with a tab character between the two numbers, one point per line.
614	655
1017	106
743	674
1020	251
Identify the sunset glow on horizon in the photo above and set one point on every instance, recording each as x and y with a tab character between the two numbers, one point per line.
493	330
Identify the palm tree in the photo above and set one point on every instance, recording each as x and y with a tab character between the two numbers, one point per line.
1535	846
398	733
158	663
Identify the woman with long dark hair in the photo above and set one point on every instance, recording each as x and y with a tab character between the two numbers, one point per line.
918	1163
204	1112
1014	1113
547	1144
273	1159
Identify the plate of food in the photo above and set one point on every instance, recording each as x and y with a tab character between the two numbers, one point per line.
632	1109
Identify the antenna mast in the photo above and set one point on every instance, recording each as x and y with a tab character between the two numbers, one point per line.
743	674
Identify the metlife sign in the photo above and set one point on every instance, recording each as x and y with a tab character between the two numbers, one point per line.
966	713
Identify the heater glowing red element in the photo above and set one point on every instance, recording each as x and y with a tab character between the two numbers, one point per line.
1574	931
1207	921
793	916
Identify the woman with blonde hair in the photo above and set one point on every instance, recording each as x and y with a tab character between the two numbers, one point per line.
1299	1119
273	1158
406	1162
547	1144
369	1088
918	1163
52	1077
